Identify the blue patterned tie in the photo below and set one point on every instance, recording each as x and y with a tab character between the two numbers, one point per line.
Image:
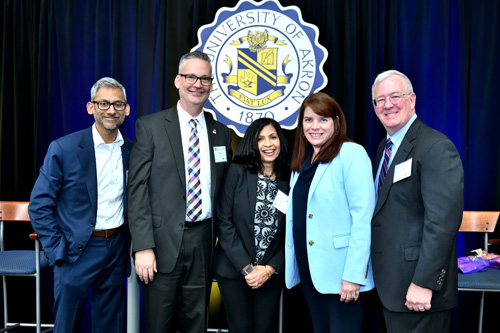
193	210
385	164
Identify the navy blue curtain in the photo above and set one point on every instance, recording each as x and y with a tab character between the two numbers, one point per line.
52	51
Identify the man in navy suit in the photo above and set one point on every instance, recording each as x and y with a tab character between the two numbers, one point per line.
78	207
417	213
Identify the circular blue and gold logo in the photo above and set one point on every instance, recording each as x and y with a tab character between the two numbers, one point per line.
265	59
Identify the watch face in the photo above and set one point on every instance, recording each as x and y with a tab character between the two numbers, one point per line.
265	61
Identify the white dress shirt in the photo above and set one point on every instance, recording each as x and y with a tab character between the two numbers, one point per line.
109	167
205	179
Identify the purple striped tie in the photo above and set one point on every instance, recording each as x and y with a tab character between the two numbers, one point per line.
385	164
193	207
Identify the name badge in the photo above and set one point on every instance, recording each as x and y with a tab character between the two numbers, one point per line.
281	202
220	154
402	170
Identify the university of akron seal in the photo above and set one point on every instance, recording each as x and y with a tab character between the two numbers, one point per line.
265	61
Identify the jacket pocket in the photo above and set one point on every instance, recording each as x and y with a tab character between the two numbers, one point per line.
412	253
341	241
156	221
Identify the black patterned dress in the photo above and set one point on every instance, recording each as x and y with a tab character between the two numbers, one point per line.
266	216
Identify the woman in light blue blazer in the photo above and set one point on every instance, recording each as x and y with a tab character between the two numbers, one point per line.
332	198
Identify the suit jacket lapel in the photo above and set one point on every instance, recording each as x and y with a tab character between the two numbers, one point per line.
125	160
252	195
211	133
401	155
315	181
86	158
283	187
173	132
378	157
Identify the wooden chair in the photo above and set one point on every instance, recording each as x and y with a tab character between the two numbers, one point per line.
20	262
485	281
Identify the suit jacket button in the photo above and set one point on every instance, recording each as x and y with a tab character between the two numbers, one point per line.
181	226
80	248
310	216
311	243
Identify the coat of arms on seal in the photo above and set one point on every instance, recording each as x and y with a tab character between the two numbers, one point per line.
265	61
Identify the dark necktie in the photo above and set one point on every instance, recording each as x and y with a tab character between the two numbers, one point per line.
385	164
194	186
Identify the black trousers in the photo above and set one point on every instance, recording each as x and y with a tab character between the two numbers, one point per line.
177	301
251	310
330	315
415	322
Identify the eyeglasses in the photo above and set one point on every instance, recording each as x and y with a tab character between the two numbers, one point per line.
191	79
104	105
394	98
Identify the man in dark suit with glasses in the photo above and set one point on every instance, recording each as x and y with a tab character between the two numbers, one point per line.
178	161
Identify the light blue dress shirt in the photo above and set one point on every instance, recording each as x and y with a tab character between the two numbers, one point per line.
396	139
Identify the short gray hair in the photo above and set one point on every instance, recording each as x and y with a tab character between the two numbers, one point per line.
107	82
385	75
194	55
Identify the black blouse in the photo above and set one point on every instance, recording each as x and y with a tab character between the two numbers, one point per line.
300	195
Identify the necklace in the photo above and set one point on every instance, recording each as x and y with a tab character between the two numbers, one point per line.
267	176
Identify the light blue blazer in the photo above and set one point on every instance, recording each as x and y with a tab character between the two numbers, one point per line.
340	206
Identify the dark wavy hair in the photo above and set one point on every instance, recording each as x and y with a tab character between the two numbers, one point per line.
325	106
247	152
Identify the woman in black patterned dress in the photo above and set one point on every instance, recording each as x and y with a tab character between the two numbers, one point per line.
249	256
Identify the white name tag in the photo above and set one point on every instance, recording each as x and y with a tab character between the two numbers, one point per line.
281	202
220	154
402	170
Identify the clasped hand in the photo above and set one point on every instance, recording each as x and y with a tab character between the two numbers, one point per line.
258	276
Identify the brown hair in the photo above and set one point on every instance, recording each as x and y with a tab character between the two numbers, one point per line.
325	106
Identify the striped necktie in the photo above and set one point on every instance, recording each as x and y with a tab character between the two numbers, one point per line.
193	208
385	164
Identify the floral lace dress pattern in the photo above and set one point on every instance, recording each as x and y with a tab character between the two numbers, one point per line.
266	216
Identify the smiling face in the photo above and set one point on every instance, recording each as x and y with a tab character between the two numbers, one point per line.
193	96
269	146
317	129
394	116
107	121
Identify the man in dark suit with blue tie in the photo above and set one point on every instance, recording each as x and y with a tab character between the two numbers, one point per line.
78	207
177	164
419	180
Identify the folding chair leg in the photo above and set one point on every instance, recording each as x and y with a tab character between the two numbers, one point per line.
37	282
481	310
6	329
5	314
